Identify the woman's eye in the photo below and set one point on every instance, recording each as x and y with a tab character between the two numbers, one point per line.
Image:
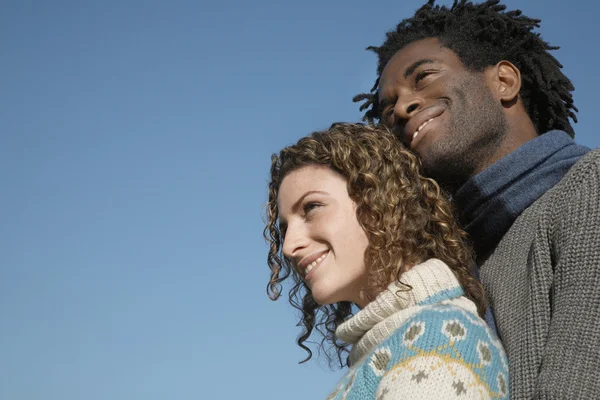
282	229
308	207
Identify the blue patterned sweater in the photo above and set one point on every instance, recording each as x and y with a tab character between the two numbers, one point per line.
424	343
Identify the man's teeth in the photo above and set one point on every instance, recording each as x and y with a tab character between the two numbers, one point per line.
420	127
314	263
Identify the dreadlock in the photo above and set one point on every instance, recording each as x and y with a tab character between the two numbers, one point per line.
483	35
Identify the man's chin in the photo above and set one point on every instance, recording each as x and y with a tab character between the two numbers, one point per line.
448	169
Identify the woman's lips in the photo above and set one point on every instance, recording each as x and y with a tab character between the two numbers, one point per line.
313	266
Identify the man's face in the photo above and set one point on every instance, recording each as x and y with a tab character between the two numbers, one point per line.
441	110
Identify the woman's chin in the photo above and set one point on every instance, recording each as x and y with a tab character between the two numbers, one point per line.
322	301
322	298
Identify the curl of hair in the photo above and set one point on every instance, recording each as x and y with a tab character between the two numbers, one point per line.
483	35
406	217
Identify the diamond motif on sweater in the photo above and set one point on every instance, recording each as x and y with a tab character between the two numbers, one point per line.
380	360
414	331
420	376
502	384
485	354
460	387
454	329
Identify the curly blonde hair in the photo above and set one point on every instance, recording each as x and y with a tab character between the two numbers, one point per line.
406	217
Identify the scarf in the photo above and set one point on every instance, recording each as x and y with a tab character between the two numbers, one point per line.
490	201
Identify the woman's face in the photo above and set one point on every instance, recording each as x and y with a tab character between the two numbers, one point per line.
322	236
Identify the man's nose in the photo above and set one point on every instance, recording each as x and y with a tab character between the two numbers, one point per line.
406	107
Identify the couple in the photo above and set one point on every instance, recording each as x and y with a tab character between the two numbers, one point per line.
469	98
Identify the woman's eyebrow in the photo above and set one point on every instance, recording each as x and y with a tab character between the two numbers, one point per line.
299	201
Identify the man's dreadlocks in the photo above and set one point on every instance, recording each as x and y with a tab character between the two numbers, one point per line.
483	35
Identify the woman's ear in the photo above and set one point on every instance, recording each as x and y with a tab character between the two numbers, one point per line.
505	81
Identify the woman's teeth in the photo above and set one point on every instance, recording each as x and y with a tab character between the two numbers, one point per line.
419	128
314	263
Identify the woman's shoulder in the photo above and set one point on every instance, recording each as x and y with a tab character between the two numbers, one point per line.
442	350
449	323
442	345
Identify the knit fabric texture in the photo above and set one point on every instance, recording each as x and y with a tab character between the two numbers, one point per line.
543	281
422	343
490	201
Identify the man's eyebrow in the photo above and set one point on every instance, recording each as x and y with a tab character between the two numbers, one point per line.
296	205
409	71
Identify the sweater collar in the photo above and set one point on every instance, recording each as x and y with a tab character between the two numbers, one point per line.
491	201
431	282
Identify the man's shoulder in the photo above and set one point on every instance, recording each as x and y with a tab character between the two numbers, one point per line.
577	190
589	163
582	177
581	184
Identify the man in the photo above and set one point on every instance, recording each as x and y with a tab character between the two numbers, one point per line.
475	92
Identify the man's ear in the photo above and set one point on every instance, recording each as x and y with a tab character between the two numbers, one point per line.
505	81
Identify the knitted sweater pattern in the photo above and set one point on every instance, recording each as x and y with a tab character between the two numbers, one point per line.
422	343
543	281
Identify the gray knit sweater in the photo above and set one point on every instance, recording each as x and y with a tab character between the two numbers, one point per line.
543	281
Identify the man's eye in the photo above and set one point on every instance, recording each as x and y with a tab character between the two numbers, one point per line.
388	117
422	75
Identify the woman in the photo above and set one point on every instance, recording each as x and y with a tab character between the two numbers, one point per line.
353	222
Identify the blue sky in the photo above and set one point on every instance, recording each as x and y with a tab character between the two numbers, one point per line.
134	151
